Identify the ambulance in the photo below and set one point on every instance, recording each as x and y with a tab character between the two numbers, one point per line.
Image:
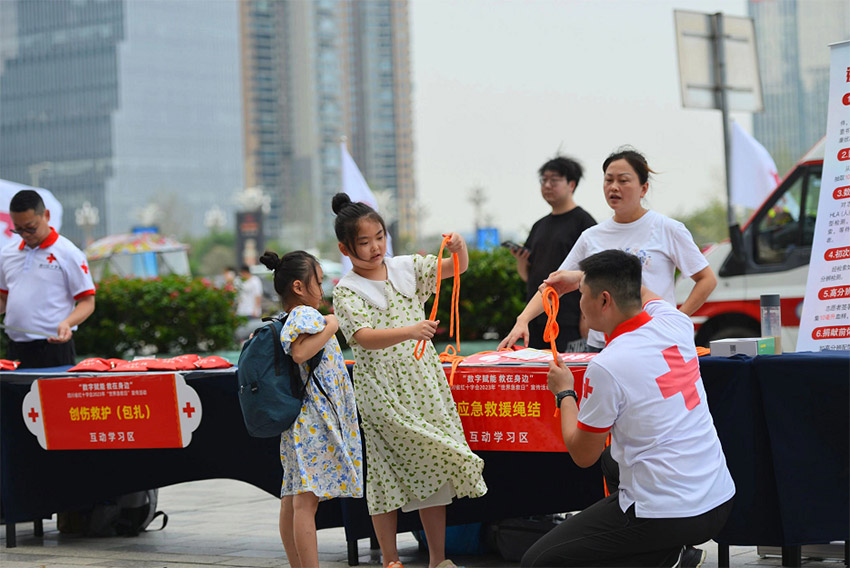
775	246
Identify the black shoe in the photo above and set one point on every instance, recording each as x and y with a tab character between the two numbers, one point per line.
690	557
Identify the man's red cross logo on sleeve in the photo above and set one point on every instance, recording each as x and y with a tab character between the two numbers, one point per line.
681	378
85	268
585	386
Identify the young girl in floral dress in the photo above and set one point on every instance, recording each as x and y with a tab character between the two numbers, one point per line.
321	452
417	455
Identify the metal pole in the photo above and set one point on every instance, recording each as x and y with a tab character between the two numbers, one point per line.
722	103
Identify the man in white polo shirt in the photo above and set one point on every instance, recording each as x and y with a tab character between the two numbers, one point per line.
645	390
46	290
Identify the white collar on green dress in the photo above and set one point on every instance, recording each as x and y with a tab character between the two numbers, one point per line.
399	274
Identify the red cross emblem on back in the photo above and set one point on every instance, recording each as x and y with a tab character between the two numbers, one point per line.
682	377
51	258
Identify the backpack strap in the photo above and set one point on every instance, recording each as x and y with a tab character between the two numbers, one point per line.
312	364
278	352
164	521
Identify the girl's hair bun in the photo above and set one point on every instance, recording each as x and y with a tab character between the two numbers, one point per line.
270	260
340	201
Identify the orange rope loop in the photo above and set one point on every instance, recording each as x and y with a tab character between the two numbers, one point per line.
454	322
451	355
551	302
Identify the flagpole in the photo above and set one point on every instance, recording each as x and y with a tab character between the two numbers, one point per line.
735	239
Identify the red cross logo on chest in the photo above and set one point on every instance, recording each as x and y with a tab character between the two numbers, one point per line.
682	377
51	258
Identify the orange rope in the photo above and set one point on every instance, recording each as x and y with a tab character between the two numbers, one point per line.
454	322
450	355
551	303
604	482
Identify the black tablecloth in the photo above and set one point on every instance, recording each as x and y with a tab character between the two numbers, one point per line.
782	420
35	482
783	423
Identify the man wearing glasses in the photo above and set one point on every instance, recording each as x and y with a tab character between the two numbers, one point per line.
550	241
46	290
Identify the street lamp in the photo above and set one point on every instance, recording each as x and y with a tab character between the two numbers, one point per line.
36	169
149	214
214	219
87	217
254	199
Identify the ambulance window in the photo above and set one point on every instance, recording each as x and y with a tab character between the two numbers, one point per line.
779	226
811	209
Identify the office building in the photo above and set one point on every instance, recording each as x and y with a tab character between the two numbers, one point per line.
792	38
133	106
314	72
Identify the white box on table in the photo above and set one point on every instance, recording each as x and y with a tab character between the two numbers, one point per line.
751	346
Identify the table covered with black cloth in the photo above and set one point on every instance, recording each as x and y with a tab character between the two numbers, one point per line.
35	482
784	423
782	420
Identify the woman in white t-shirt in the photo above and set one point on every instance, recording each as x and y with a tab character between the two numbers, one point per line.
662	244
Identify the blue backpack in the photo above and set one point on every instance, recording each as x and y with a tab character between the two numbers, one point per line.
270	387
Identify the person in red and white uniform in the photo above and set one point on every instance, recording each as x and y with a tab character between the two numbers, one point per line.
645	390
46	289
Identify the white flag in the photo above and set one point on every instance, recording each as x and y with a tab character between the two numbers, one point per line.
354	184
8	189
753	175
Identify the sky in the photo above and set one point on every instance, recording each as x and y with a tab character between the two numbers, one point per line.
501	86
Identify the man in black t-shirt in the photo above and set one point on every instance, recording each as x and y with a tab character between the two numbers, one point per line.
548	244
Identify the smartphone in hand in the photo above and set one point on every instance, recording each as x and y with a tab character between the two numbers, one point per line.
513	246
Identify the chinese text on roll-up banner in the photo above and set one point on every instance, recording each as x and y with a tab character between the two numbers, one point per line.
825	322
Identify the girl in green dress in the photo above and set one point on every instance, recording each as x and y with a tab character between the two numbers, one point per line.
416	453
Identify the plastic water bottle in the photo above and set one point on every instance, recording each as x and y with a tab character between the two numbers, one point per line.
771	319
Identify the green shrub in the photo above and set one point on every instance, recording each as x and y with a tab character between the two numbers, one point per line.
491	296
172	314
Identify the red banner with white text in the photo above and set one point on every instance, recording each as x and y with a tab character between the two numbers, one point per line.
112	412
509	408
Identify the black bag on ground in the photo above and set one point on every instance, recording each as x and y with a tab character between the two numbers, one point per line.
127	515
511	538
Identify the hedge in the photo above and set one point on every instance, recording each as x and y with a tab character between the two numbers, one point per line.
491	296
168	315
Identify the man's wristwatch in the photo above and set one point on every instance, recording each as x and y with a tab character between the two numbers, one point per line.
562	395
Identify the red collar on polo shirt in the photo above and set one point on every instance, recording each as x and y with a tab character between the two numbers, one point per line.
49	240
630	324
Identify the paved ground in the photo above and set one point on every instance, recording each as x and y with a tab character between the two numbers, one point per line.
229	523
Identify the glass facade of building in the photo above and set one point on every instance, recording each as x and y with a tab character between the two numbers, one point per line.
178	125
58	92
123	104
792	38
342	70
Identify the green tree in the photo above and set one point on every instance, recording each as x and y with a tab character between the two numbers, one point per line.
707	225
173	314
491	296
201	262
